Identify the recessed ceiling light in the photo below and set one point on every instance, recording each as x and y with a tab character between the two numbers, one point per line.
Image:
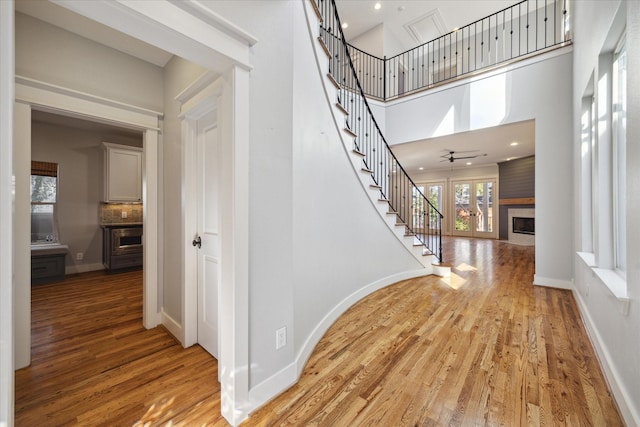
420	169
513	144
345	25
469	163
377	6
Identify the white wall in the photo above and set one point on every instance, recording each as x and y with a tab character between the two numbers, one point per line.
178	74
79	155
539	90
371	41
598	26
378	41
340	244
48	53
314	236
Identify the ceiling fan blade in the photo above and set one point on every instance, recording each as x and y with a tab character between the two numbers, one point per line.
459	152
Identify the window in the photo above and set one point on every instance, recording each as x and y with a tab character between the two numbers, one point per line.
619	154
44	189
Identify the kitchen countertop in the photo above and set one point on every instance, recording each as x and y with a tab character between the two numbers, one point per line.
120	224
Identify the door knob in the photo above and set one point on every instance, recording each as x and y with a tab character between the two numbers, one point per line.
197	242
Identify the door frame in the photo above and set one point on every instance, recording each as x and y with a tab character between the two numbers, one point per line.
495	207
31	94
202	97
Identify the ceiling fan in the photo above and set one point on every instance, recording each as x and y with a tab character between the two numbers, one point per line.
451	156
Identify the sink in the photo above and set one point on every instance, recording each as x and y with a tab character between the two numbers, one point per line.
47	248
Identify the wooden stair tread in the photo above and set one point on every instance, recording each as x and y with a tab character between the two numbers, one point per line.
324	47
350	132
341	108
317	11
333	81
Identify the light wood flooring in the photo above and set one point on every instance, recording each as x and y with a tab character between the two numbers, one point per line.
484	347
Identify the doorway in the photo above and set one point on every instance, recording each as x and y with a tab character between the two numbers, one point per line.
473	211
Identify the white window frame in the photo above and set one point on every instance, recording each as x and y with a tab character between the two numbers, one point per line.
619	164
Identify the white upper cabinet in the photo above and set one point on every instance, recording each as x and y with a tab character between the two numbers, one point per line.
123	173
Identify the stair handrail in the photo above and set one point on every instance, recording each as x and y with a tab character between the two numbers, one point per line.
432	242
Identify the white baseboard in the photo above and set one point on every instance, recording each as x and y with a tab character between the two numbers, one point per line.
172	326
289	375
272	386
552	283
629	413
83	268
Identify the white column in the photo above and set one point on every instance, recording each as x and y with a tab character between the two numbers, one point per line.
234	307
22	234
7	96
151	231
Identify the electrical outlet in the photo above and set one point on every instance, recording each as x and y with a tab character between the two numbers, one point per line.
79	256
124	214
281	337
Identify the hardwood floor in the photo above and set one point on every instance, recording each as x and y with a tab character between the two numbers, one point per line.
481	348
94	364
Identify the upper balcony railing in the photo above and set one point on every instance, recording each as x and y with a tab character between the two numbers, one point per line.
526	28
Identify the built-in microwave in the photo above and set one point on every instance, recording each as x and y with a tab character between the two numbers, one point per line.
126	240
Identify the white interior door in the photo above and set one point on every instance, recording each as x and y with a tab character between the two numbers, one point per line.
473	211
208	238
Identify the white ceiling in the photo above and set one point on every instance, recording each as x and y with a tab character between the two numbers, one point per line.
413	22
91	125
490	145
407	21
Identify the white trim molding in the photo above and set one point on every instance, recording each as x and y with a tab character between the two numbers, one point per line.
199	98
43	96
552	283
62	100
621	395
7	66
184	30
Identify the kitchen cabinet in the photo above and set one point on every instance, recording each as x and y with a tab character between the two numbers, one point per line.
123	173
48	263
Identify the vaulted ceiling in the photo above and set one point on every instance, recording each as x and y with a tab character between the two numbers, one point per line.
413	22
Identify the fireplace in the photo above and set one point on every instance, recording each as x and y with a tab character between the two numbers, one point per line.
523	225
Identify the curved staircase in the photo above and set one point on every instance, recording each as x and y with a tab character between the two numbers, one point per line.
407	211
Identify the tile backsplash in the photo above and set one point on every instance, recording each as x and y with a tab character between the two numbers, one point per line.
111	213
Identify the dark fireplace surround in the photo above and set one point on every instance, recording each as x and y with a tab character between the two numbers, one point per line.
524	225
